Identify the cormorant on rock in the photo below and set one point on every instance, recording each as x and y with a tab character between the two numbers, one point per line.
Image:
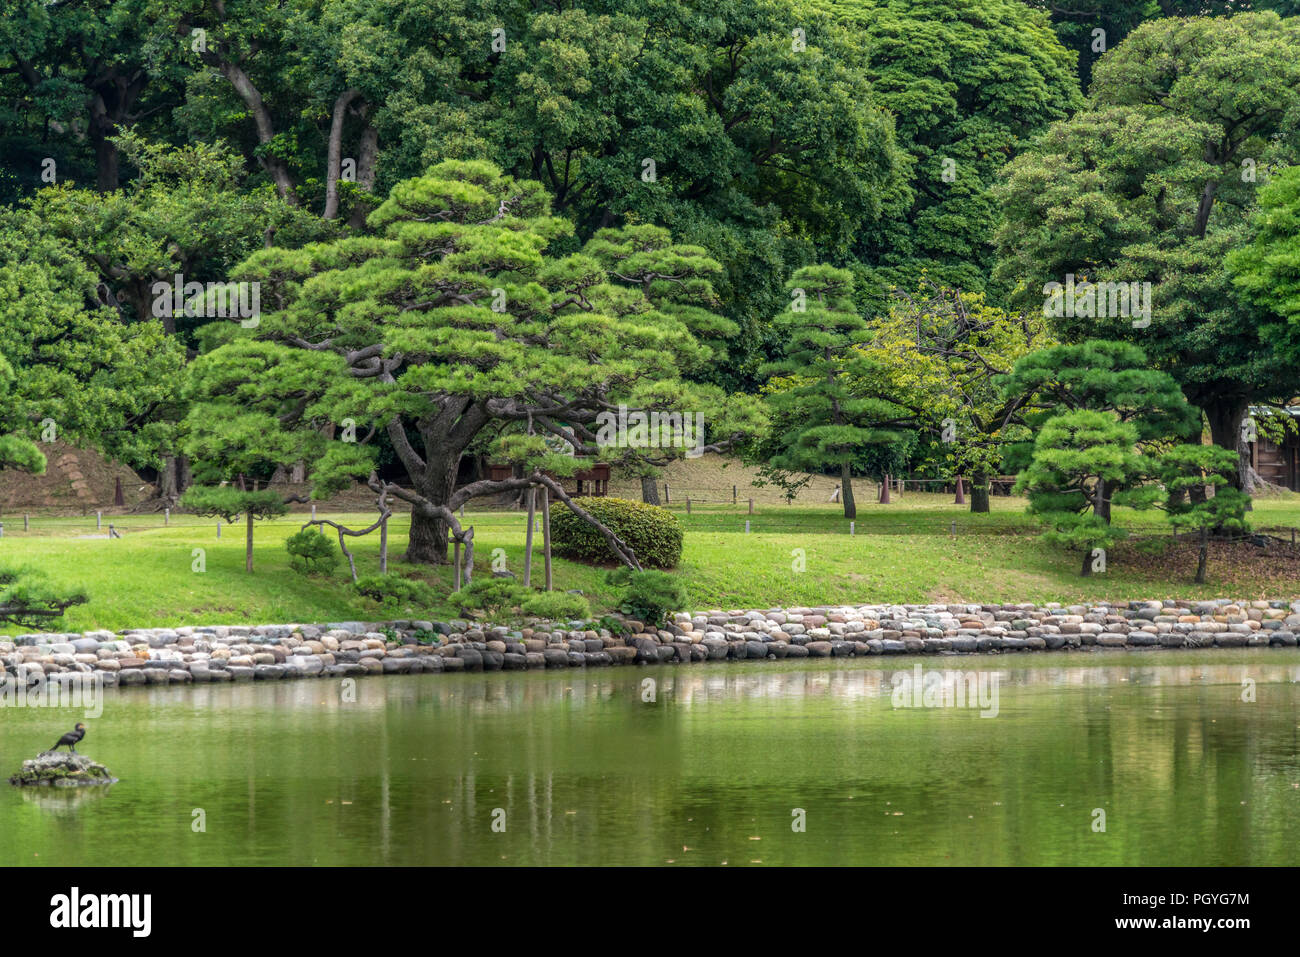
70	739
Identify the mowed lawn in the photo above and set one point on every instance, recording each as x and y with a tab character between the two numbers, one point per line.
921	548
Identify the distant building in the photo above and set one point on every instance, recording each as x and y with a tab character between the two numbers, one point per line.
1278	464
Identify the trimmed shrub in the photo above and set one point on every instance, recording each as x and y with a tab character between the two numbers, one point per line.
649	596
490	595
393	591
653	533
310	551
556	606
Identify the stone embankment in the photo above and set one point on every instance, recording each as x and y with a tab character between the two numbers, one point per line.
211	653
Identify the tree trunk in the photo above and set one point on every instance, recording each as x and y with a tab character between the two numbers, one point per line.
1087	563
252	97
427	544
649	490
106	159
334	153
1101	502
427	541
173	478
846	483
1225	417
248	545
979	493
367	162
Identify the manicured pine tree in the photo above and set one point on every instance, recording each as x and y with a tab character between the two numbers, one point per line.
1080	458
24	602
824	420
229	503
1100	376
1184	472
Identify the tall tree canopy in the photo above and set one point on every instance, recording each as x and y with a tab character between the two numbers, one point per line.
969	83
1151	184
81	371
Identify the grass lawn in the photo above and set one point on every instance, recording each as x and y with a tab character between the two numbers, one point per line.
904	552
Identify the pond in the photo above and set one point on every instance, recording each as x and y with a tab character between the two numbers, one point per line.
728	763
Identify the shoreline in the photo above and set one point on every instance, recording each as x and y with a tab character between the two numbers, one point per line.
216	653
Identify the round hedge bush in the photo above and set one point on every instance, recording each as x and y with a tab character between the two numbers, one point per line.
652	532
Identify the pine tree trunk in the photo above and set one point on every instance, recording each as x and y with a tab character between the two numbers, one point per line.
846	483
1101	502
979	493
1087	563
649	490
427	541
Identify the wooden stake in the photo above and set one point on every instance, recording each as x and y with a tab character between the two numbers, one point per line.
528	538
383	547
546	534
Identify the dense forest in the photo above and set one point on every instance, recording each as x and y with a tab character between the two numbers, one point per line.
856	237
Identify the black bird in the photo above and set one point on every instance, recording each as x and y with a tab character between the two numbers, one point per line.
70	739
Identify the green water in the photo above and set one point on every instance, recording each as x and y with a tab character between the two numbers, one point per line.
586	772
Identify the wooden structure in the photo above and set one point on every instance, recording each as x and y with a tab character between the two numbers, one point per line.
597	479
593	481
1279	464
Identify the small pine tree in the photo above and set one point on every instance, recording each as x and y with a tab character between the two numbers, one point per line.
822	422
1080	458
229	503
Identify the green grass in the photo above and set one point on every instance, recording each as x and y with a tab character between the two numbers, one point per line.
905	552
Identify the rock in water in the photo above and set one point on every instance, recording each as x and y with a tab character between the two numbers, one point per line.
62	770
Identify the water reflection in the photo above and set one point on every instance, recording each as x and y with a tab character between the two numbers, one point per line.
703	765
64	802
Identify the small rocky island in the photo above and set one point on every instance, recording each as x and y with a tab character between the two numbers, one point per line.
62	770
